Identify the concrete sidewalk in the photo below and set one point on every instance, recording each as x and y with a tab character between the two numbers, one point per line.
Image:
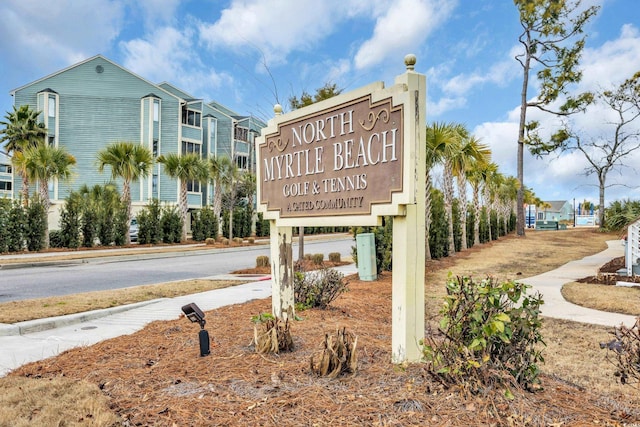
39	339
35	340
550	283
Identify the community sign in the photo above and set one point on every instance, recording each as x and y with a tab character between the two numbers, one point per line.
343	158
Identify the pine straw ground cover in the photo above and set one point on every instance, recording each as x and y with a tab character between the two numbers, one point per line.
156	377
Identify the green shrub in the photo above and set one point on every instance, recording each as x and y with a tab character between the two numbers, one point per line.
70	222
489	328
5	206
35	233
334	257
317	259
89	226
205	225
318	288
56	239
171	223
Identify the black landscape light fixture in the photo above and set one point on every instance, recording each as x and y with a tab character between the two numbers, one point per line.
193	313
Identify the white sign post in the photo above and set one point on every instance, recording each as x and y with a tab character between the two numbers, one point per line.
349	161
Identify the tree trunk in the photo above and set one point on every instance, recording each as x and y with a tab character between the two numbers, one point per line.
602	181
46	203
520	220
462	195
184	209
448	204
126	199
427	215
476	215
300	243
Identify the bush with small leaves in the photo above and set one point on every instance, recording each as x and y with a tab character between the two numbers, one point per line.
489	328
334	257
317	259
210	241
318	288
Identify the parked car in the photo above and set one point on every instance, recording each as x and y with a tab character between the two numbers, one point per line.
133	230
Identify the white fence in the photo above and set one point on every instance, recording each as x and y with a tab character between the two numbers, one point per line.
633	247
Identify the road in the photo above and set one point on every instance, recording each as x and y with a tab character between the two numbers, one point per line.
97	274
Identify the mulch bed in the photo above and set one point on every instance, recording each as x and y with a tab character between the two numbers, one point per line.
607	274
156	377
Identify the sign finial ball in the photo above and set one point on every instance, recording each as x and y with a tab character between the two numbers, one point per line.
410	61
277	109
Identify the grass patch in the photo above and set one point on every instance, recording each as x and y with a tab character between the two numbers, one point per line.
26	402
19	311
615	299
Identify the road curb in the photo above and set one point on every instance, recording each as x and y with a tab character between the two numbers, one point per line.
39	325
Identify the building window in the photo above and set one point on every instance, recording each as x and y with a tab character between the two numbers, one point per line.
241	162
191	117
193	186
52	106
155	148
5	168
156	110
52	140
5	185
191	147
241	134
154	185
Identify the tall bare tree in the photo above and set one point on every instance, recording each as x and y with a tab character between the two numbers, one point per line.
608	151
552	41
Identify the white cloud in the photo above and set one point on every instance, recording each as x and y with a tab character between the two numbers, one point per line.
266	26
443	105
401	29
35	33
562	175
165	54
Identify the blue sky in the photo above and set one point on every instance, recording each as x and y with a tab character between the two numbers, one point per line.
250	54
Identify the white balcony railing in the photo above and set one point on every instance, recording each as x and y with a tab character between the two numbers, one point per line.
633	247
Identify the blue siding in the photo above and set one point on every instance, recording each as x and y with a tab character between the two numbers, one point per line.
100	103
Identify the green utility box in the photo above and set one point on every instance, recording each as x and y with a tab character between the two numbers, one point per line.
546	225
366	250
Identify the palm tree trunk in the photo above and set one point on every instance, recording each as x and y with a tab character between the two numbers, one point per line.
24	191
46	204
487	204
448	204
126	199
427	215
462	195
476	215
217	205
184	209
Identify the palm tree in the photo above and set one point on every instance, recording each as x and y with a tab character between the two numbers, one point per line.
43	163
189	167
230	185
507	196
468	150
248	182
21	131
478	175
493	181
217	166
442	141
129	161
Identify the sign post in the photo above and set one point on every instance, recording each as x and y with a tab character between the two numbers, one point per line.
350	160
